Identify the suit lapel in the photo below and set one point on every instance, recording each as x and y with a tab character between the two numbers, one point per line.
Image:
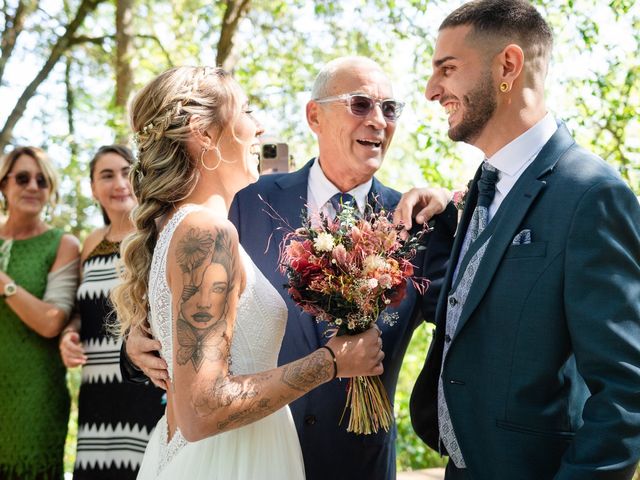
289	201
378	197
289	204
510	216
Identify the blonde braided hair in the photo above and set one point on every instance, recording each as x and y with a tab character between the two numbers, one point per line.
163	115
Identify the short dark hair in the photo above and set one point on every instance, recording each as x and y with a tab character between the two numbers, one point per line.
516	21
120	150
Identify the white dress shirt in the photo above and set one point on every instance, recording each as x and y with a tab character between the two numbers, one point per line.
514	158
320	190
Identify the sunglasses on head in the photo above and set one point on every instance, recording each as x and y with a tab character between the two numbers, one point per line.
361	105
24	178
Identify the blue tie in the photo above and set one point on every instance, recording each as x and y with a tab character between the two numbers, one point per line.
341	200
487	185
480	217
457	298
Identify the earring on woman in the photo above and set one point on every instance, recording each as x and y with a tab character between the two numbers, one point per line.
204	165
504	87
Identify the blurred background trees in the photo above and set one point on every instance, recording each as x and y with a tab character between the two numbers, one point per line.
69	67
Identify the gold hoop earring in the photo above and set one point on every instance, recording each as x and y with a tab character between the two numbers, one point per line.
504	87
204	165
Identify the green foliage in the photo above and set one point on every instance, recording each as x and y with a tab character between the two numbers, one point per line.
279	48
412	453
73	384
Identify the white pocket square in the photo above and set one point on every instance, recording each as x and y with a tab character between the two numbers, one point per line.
522	238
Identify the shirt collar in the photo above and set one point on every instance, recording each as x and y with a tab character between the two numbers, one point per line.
518	153
322	189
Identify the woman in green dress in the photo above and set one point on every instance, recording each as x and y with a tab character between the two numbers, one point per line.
38	279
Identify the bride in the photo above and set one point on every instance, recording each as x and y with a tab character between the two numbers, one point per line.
219	321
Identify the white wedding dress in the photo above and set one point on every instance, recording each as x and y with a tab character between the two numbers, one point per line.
266	449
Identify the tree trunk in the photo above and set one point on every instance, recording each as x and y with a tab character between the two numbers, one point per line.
234	11
58	49
124	72
13	27
70	104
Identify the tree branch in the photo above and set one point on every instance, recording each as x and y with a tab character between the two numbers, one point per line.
100	41
59	48
13	28
70	107
123	70
85	39
233	13
155	39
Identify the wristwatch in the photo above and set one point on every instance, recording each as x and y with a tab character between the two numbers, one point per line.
9	289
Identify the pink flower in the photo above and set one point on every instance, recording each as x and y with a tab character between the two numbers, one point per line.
340	255
385	281
355	234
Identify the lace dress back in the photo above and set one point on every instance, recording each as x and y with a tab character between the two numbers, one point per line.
257	337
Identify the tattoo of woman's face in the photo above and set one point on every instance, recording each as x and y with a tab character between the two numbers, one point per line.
206	263
207	302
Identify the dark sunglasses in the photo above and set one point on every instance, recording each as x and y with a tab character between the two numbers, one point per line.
361	105
24	178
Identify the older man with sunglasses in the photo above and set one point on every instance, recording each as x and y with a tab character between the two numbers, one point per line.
354	116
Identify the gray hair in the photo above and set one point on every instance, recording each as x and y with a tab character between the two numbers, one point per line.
328	72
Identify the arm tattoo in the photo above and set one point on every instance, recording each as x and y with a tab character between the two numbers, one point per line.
308	372
208	264
196	344
228	390
256	411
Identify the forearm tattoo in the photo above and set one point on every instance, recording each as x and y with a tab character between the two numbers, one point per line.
308	372
228	390
256	411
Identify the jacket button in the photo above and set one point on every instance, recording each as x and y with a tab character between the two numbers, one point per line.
452	301
447	338
310	419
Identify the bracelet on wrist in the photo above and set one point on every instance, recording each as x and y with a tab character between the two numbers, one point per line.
335	361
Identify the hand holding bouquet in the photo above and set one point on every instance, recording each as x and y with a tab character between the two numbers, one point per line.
346	271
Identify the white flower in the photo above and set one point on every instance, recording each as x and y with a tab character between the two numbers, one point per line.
338	321
351	325
373	262
323	242
373	283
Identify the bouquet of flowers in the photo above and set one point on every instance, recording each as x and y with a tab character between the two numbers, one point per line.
346	271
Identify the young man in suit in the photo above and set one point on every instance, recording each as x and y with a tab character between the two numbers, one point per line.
353	114
534	370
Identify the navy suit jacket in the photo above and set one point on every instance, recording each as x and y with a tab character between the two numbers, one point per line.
542	377
329	451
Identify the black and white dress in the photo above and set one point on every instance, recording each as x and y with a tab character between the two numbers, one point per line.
115	418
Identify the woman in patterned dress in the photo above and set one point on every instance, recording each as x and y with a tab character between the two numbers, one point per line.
114	417
38	279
